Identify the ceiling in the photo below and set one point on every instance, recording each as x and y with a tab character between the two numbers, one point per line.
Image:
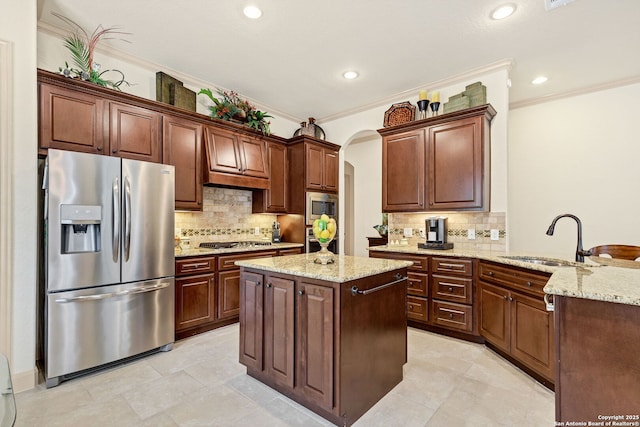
291	60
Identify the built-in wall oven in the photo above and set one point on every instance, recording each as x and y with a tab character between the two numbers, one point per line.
321	203
312	244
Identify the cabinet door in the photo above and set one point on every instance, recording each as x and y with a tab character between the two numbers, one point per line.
195	302
278	192
314	337
494	315
403	172
253	156
330	170
251	322
135	133
72	120
455	165
222	151
315	167
532	334
182	148
228	294
279	350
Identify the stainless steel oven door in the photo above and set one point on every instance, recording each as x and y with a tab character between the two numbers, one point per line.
321	203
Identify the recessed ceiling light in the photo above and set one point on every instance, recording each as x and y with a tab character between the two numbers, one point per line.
350	75
539	80
252	12
503	11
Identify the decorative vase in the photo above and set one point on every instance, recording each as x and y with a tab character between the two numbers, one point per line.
325	256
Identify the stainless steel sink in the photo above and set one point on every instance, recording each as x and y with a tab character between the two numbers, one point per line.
542	261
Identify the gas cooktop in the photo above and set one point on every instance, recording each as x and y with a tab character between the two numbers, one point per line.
241	244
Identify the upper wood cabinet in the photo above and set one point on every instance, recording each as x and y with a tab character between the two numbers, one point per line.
77	121
440	163
275	198
182	148
322	168
72	120
236	159
135	133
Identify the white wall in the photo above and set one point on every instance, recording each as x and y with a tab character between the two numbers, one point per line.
18	26
365	154
577	155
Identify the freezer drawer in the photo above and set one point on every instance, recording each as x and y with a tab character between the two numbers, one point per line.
90	327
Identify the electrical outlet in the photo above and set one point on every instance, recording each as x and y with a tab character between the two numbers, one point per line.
422	233
495	234
408	232
471	234
256	231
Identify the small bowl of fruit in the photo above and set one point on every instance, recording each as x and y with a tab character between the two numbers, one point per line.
324	230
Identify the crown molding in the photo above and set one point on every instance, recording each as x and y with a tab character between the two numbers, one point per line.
505	64
576	92
154	68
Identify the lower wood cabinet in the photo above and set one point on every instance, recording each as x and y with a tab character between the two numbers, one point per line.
516	321
208	290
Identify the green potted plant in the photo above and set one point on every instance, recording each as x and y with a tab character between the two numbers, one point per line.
229	106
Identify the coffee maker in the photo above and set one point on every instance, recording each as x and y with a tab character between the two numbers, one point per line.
436	228
275	232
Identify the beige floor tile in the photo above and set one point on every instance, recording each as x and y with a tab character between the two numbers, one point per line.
447	382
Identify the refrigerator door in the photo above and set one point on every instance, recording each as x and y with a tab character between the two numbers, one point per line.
148	203
90	327
82	209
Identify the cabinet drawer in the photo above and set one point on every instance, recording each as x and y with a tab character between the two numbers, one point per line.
418	284
420	263
202	264
463	267
227	262
417	309
451	315
291	251
456	289
513	277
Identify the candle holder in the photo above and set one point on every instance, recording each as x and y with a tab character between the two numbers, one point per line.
422	107
434	108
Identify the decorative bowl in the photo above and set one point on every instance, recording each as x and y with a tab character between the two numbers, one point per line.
383	230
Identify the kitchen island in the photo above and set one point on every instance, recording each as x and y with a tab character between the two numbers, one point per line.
331	337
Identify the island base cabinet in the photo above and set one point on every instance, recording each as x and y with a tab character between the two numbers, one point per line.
598	344
329	348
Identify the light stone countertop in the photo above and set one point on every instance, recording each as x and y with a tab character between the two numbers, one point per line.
345	268
599	279
181	253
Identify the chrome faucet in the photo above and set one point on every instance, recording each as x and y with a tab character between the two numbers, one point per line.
580	253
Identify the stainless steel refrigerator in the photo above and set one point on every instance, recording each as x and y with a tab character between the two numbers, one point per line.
108	260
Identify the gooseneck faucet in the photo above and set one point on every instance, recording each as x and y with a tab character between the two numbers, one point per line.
580	253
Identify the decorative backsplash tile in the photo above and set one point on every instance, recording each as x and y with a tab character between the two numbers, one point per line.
458	225
226	215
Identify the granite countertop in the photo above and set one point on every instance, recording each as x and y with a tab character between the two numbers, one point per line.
181	253
345	268
597	278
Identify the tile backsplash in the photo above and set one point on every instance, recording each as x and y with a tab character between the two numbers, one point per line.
458	225
226	216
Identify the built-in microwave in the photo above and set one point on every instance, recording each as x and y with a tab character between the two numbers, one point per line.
321	203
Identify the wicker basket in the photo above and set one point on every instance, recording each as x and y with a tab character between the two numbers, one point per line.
399	113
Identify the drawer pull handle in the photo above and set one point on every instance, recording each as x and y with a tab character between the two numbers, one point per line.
450	289
301	292
195	265
451	266
450	315
258	283
490	273
528	283
452	312
355	291
269	285
410	307
505	297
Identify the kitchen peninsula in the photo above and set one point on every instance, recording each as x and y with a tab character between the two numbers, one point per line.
331	337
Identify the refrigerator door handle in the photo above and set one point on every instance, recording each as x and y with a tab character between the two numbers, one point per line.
115	189
94	297
127	218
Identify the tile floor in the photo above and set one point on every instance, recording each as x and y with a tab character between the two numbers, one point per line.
447	382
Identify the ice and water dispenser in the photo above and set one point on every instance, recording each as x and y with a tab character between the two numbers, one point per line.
80	228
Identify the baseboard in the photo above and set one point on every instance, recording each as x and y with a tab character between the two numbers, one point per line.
23	381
